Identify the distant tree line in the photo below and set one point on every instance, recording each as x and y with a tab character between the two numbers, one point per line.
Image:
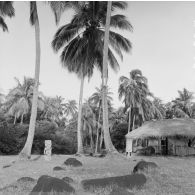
140	105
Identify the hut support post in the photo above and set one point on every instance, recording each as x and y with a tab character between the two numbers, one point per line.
129	147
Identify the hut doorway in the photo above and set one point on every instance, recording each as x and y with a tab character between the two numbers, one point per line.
164	146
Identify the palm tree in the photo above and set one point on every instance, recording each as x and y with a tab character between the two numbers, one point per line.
182	106
107	138
19	99
34	20
70	108
2	98
184	102
96	99
53	109
159	107
89	121
133	90
6	9
82	40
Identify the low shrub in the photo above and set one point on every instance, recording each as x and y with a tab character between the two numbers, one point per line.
118	136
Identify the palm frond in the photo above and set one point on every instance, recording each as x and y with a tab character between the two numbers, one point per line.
119	4
121	41
3	25
58	7
121	22
64	35
113	61
7	9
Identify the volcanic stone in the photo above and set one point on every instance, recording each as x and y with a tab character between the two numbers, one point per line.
143	166
126	181
73	162
58	168
51	185
68	179
26	179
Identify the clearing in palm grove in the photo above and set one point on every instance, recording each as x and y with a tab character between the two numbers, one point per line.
97	98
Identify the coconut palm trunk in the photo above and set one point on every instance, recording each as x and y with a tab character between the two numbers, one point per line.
80	149
26	151
129	125
107	139
133	127
14	119
98	126
101	138
91	138
22	118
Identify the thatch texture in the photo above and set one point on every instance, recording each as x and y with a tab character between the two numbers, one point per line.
165	128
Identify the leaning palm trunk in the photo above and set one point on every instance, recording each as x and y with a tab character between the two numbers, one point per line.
26	151
107	139
79	134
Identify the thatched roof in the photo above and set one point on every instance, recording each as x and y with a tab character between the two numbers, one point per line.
165	128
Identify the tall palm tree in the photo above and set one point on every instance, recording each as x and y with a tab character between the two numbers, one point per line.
107	139
6	9
133	89
82	41
34	20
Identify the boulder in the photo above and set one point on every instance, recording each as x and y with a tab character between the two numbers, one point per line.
144	166
67	179
58	168
126	181
51	185
26	179
6	166
73	162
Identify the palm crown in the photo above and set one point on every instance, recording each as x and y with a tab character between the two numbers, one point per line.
83	38
19	99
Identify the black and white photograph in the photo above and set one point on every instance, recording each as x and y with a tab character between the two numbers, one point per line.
97	97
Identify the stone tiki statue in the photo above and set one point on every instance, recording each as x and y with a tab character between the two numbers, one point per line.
47	150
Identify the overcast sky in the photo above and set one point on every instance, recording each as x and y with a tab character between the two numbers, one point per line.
163	50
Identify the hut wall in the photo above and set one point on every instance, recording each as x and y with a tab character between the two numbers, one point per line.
180	147
155	144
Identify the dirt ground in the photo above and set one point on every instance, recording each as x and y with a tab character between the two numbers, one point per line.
176	175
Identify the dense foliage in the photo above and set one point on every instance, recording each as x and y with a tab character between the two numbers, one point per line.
13	137
57	120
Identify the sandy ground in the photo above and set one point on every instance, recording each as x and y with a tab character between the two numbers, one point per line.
174	176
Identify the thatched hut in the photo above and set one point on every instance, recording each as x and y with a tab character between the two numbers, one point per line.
168	136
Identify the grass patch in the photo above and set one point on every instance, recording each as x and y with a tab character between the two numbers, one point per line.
175	175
